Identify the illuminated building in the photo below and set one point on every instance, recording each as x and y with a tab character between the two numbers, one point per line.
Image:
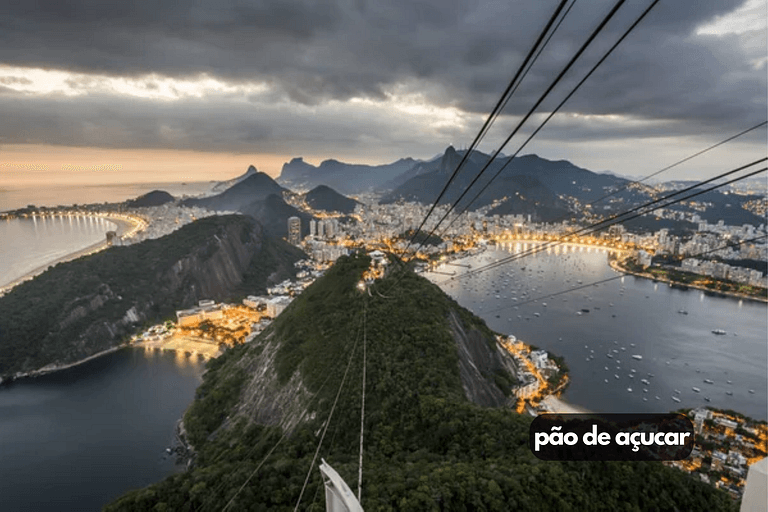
294	230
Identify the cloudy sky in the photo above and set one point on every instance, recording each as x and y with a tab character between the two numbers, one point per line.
158	90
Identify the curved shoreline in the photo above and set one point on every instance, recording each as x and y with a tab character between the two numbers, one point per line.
614	264
123	226
52	368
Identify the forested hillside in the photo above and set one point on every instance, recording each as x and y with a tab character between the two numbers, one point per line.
427	446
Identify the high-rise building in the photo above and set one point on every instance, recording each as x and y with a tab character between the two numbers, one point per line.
320	229
312	227
294	230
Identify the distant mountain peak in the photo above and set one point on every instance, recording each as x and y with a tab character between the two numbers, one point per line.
344	177
323	197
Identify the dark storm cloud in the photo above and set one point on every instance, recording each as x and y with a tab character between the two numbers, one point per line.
205	125
455	53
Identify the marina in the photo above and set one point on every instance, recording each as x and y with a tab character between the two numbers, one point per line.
628	317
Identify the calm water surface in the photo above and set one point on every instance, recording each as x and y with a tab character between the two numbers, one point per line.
77	439
26	244
627	316
12	198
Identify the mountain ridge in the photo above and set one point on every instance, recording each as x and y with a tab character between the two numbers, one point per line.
429	445
323	197
79	308
344	177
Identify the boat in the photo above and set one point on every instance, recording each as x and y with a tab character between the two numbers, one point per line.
719	332
752	391
657	397
696	389
707	399
638	357
676	399
585	310
729	393
682	312
708	381
609	355
677	391
615	375
645	381
629	389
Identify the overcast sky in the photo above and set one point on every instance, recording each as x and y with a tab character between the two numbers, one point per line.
200	91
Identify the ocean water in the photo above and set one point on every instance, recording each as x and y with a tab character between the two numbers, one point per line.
27	244
12	198
627	316
79	438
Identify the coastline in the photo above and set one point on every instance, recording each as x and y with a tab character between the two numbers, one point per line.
52	368
615	266
123	226
560	406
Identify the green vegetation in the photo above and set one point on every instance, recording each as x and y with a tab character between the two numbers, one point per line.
555	380
214	398
688	278
76	309
426	446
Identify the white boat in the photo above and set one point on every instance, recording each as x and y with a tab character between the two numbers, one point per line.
708	381
719	332
645	381
676	399
638	357
629	389
697	390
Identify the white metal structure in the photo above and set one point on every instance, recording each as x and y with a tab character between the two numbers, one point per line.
338	495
